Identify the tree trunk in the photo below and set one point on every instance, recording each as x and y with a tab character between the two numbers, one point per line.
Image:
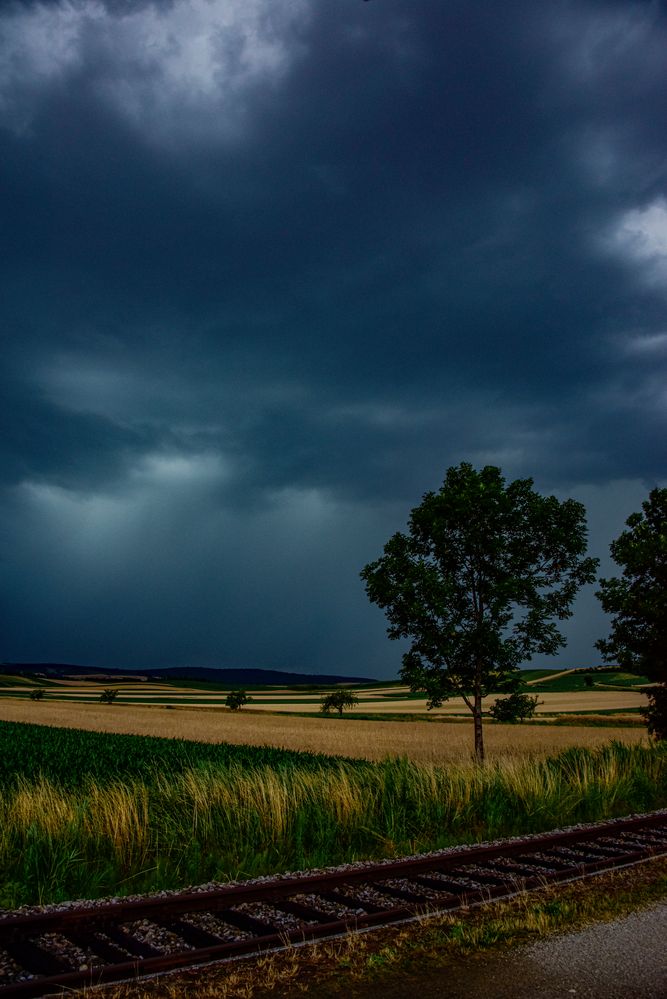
479	735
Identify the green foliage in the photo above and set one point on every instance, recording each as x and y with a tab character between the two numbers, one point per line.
515	708
478	583
638	602
338	700
236	699
37	694
109	696
656	711
638	599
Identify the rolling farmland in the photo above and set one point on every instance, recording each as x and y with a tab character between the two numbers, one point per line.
389	719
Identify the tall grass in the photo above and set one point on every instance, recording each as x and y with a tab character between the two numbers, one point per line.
198	824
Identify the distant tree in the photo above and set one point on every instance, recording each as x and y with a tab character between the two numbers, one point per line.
338	700
477	582
638	602
37	694
515	708
236	699
109	696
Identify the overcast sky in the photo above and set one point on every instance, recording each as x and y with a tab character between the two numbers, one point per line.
270	268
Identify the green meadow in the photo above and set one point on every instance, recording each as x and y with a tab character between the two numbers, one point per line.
86	814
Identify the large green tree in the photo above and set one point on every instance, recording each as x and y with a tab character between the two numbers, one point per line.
478	582
638	602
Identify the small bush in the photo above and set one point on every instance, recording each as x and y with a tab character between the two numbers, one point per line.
236	699
515	708
338	700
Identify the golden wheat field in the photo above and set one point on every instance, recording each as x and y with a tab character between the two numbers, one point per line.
424	741
615	700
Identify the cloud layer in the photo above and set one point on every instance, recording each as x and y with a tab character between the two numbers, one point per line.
269	269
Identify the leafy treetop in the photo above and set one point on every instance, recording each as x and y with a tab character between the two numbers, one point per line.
337	700
638	599
109	695
515	708
236	699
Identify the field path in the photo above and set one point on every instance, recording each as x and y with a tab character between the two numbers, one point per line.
551	676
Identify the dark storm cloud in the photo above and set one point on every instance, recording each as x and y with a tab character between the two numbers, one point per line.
83	451
293	261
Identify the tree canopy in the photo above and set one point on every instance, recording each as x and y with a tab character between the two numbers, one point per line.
515	708
478	582
109	695
236	699
338	700
638	602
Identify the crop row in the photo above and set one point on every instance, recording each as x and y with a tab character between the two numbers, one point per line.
71	758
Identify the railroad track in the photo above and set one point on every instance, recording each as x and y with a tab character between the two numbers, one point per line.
46	952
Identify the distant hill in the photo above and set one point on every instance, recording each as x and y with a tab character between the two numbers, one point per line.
227	677
270	677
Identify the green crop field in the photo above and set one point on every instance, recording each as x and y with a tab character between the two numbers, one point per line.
7	680
73	757
575	681
88	814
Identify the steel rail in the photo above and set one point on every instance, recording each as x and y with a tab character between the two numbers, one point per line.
427	884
